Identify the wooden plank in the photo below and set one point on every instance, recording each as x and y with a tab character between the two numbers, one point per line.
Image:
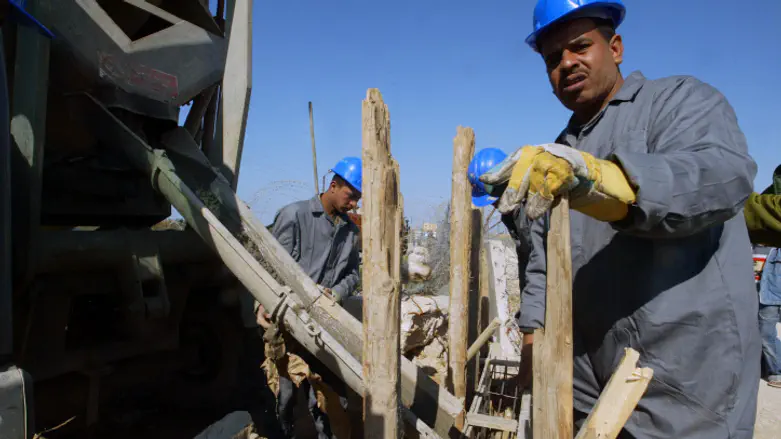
483	338
552	358
28	131
460	269
619	398
236	88
473	319
491	422
524	418
381	282
486	279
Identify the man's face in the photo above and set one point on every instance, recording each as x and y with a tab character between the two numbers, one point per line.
582	65
345	198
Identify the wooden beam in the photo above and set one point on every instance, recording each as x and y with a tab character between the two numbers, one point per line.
552	358
381	282
491	422
619	398
473	313
483	338
460	270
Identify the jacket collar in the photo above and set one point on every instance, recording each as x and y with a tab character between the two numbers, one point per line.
316	205
627	93
631	86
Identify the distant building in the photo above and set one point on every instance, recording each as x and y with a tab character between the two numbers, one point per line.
430	227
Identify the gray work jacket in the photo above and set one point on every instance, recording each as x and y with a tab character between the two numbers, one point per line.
326	248
673	280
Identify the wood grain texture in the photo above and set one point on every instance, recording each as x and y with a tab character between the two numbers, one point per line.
460	268
552	358
381	233
618	400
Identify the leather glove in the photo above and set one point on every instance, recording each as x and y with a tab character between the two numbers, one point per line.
538	174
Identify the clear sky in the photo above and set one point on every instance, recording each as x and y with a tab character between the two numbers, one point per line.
440	64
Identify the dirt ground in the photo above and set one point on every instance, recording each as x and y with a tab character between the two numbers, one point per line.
768	423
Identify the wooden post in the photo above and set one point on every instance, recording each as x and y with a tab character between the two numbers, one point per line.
552	358
460	272
380	233
314	151
473	313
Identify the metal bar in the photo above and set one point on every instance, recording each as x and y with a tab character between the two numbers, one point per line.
314	151
6	291
28	129
200	104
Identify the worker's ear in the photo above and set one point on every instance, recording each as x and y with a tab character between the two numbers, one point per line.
617	49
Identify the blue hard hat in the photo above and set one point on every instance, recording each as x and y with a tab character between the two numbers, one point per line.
21	16
350	169
482	162
549	12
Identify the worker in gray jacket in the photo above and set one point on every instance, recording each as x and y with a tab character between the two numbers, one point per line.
657	172
322	239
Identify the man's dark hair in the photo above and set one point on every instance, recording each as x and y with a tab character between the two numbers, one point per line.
339	180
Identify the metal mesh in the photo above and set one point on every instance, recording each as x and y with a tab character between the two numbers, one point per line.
498	396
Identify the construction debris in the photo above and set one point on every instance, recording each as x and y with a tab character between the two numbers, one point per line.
423	318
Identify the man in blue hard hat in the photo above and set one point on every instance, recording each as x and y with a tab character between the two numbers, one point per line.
516	221
323	240
657	173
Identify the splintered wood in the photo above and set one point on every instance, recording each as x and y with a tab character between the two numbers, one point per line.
552	357
620	397
380	231
460	269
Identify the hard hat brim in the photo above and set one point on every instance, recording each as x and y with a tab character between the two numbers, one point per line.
484	200
22	17
616	14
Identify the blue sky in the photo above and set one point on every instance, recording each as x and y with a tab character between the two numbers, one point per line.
440	64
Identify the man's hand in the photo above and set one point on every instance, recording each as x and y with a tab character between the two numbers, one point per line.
262	317
538	174
327	291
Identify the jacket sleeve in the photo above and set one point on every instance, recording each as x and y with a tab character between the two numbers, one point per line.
532	315
347	286
286	230
763	219
696	172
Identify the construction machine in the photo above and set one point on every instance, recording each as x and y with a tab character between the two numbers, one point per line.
106	317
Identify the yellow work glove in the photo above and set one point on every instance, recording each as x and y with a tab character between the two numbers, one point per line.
538	174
